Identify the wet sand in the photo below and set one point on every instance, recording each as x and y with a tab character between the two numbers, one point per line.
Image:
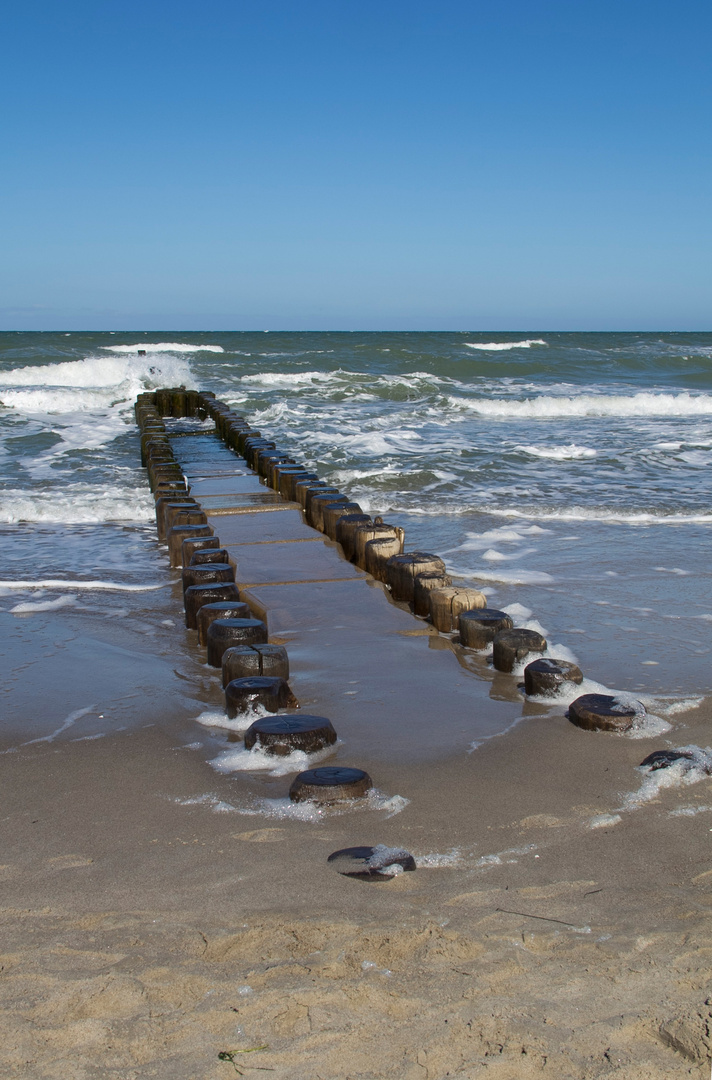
152	920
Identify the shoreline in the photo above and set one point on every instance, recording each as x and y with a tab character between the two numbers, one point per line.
165	928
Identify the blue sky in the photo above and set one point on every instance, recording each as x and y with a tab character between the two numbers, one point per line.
356	165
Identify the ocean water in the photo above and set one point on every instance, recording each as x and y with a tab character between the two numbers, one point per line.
566	474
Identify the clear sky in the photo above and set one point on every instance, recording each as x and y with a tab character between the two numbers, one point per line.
351	164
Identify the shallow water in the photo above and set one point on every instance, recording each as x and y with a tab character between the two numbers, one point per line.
568	475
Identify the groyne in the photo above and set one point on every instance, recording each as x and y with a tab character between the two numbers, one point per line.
274	558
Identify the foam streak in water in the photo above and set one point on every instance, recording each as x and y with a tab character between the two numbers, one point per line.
504	346
635	405
59	583
69	722
163	347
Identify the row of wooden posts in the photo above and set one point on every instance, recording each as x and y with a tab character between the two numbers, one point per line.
255	672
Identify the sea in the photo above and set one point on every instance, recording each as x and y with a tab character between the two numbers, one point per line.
567	475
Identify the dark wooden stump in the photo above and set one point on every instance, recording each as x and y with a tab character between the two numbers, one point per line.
402	569
265	458
288	482
208	555
179	403
330	785
375	531
282	469
273	469
510	647
311	493
242	438
224	633
170	489
165	471
377	552
208	613
202	544
249	661
332	513
192	402
283	734
369	863
163	401
318	504
546	676
272	694
193	516
250	439
663	759
346	528
252	446
206	574
166	503
303	487
197	595
480	627
446	606
602	712
178	534
423	586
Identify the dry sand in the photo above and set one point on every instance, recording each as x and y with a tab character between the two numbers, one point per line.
143	938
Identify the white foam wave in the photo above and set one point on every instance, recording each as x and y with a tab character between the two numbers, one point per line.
131	376
163	347
503	346
308	811
558	453
43	605
297	378
54	402
60	583
689	811
440	860
218	806
679	705
503	535
70	721
581	405
86	507
492	555
518	613
567	692
499	858
285	809
647	726
258	760
214	719
603	821
507	577
582	513
682	773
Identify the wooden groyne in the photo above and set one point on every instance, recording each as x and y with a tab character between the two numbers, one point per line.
300	598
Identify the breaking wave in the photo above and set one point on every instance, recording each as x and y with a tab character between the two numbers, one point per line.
504	346
634	405
163	347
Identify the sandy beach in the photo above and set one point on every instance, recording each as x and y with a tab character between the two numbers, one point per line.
142	937
159	923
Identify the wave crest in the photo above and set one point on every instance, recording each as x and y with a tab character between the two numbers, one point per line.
504	346
163	347
582	405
